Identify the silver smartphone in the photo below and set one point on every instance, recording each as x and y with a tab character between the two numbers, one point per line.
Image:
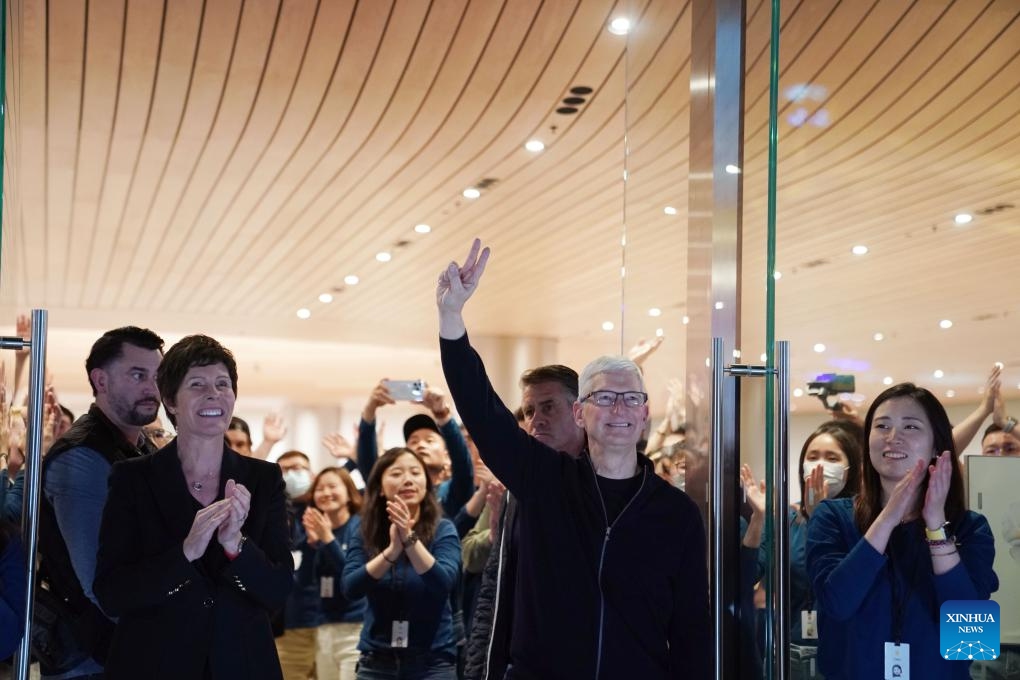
406	390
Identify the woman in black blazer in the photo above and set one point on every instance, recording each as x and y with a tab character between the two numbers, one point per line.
194	553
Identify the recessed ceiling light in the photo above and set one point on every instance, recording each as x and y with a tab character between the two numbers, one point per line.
733	169
351	280
669	210
950	393
686	320
719	305
383	256
878	337
999	365
619	26
963	218
777	275
887	380
654	311
736	354
534	145
422	228
325	298
472	193
659	332
608	325
859	250
764	356
304	313
938	373
798	392
819	347
945	323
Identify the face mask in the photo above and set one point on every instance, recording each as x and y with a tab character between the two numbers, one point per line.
835	475
297	482
679	480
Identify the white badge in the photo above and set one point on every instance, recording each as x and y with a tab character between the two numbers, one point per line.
326	586
897	661
809	624
399	638
297	555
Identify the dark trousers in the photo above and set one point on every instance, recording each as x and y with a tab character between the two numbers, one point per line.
399	665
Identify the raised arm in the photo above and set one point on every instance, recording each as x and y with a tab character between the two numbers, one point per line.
965	431
368	445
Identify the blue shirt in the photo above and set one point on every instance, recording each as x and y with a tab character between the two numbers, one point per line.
423	600
308	606
854	587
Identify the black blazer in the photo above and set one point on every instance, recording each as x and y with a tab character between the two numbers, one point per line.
184	620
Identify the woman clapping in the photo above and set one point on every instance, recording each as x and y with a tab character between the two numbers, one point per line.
406	560
194	552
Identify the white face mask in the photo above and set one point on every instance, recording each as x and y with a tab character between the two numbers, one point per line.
297	482
835	474
679	480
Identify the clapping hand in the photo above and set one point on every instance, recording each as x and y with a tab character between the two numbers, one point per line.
815	488
753	490
238	499
317	526
939	476
400	517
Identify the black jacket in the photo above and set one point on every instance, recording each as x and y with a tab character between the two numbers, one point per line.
627	600
179	619
488	647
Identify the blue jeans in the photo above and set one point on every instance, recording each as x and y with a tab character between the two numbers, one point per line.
403	665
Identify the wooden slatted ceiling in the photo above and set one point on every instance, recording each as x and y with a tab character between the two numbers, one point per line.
215	165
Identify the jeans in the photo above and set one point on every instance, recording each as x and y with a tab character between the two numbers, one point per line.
400	665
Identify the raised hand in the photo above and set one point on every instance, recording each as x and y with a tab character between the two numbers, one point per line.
380	397
939	476
206	522
273	428
753	489
338	446
644	349
993	387
239	502
434	400
458	283
815	489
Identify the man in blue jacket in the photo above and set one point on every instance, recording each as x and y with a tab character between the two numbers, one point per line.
612	579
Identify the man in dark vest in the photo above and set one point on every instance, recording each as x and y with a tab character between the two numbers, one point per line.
122	371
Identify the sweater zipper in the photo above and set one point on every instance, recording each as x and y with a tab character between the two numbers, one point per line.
602	556
499	586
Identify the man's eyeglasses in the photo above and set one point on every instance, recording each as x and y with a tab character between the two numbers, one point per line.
607	398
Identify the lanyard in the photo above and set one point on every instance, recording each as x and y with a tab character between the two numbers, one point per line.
899	604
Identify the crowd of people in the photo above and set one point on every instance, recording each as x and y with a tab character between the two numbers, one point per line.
554	540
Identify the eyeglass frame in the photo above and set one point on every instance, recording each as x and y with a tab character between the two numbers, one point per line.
617	395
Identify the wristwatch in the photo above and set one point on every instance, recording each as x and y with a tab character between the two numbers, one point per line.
1009	425
411	539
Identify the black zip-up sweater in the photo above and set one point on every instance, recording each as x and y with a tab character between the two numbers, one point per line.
625	601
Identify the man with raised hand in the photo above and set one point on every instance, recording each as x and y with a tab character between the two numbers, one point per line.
612	579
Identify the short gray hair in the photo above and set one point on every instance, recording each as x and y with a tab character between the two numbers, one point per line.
607	364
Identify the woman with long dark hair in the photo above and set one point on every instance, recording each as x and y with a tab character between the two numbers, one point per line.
883	563
830	463
406	561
